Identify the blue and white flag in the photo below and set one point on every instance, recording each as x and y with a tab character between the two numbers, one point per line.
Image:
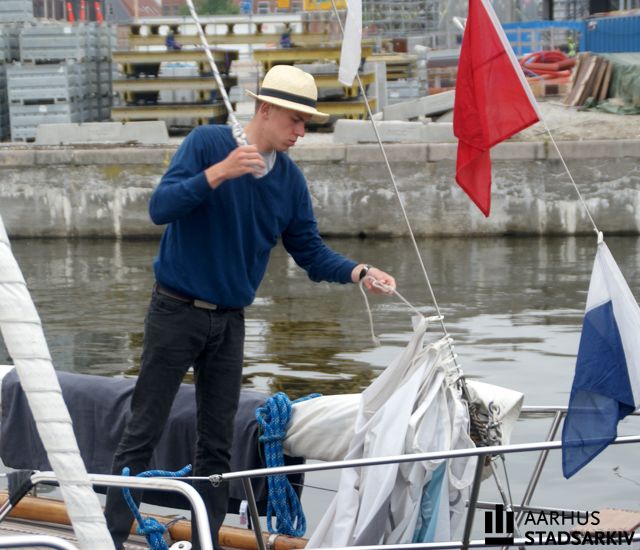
606	385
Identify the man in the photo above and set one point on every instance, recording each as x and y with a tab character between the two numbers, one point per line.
226	207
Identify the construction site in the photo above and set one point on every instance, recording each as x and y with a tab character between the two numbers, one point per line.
81	61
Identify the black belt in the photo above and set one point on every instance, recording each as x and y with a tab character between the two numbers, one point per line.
160	289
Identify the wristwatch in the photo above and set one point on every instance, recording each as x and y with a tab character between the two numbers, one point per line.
363	272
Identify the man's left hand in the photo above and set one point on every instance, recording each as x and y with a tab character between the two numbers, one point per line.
374	275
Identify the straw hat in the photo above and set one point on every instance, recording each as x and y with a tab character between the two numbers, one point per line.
291	88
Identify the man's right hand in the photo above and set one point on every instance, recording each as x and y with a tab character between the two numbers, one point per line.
242	160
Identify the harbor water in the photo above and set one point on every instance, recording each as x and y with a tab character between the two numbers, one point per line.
513	306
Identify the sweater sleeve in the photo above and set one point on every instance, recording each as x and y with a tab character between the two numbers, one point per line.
184	185
302	240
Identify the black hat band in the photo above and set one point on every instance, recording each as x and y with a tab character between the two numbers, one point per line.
279	94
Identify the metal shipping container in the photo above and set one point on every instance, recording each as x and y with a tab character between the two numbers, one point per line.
612	34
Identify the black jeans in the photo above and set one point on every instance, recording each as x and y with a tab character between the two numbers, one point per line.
178	335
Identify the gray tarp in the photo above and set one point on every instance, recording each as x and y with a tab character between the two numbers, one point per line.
99	408
624	90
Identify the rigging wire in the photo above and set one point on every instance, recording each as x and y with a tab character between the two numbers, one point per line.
463	386
575	186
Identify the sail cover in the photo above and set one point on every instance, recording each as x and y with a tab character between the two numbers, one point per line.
22	331
412	407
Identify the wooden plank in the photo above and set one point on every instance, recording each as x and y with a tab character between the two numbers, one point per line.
54	512
270	57
576	76
171	83
169	111
613	519
587	84
604	89
576	97
581	58
598	78
220	56
308	39
346	109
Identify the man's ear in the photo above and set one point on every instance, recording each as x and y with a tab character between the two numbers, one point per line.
265	109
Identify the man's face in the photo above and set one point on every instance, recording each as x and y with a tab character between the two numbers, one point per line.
284	126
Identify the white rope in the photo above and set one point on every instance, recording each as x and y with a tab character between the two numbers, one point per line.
236	128
26	344
376	340
390	290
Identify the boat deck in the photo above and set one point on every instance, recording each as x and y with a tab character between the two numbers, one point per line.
17	527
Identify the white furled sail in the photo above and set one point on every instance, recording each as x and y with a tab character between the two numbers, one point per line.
412	407
24	338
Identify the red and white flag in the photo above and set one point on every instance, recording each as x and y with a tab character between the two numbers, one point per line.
493	100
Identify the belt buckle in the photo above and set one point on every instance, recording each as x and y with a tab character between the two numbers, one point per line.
204	305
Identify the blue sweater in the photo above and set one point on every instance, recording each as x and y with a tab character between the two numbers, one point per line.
217	242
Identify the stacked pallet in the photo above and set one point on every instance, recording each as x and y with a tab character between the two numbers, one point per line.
176	86
442	70
400	66
64	76
16	10
334	98
11	39
591	80
260	30
399	91
14	15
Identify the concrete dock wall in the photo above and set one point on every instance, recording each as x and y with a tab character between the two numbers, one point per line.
103	191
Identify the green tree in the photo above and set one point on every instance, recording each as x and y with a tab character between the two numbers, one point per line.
212	7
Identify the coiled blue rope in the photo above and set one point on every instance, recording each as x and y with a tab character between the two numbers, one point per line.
151	528
273	418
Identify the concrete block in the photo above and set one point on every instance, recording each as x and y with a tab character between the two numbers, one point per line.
146	132
447	117
413	153
318	153
518	150
595	149
438	132
425	106
47	157
118	155
13	157
361	131
510	150
442	151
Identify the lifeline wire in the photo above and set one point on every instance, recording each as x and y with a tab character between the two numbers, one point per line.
404	212
236	128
